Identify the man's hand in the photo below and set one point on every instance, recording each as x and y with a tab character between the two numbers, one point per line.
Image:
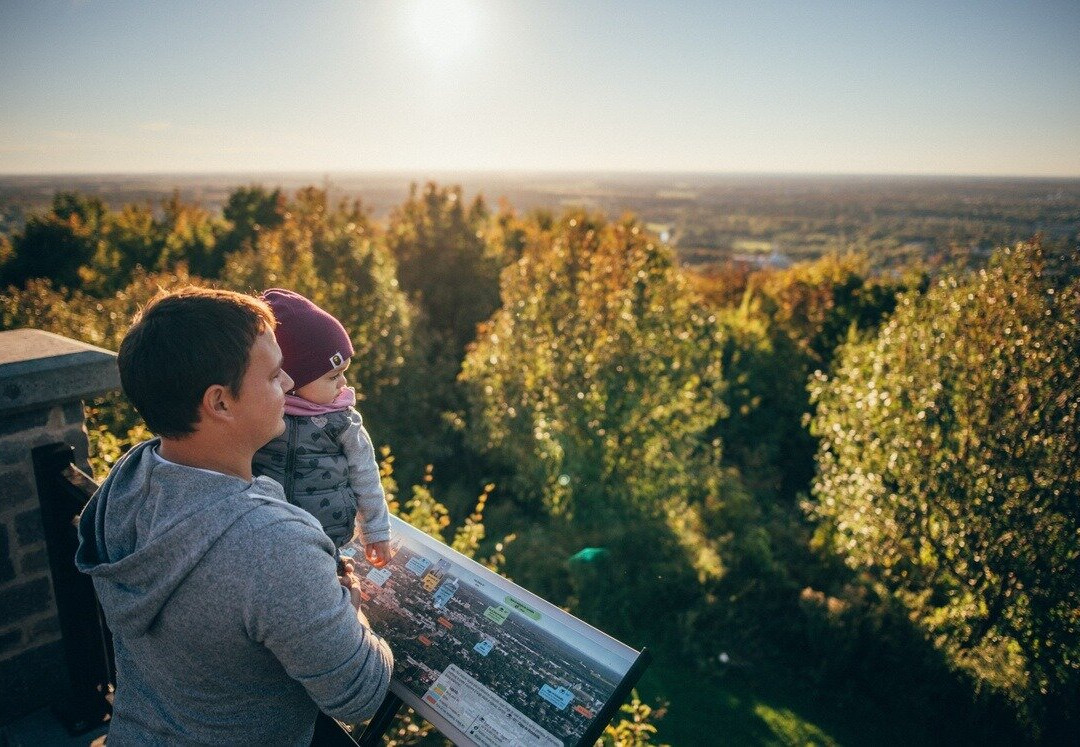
377	553
346	566
348	579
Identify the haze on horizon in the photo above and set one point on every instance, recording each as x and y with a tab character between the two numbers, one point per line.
954	87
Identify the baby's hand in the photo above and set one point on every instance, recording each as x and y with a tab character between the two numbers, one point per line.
377	553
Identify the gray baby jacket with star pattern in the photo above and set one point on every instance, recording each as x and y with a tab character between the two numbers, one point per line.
326	463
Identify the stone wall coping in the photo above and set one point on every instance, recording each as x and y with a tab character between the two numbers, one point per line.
39	369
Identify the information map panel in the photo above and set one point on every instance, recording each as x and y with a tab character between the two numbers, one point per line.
487	662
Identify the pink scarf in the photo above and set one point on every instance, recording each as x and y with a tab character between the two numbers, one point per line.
299	406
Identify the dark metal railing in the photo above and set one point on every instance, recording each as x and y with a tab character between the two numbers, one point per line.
63	490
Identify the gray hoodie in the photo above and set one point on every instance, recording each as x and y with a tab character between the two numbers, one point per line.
229	624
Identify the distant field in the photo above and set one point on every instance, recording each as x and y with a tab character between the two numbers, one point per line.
708	218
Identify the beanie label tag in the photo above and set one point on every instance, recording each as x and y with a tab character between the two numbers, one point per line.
337	360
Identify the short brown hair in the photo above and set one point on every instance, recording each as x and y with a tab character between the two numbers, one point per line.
182	343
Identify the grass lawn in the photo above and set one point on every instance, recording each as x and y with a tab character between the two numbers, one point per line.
758	708
721	710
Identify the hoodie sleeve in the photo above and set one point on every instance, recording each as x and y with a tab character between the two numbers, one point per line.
299	611
365	480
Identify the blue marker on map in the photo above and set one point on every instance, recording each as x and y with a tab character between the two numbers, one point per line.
417	565
378	576
484	647
444	592
559	697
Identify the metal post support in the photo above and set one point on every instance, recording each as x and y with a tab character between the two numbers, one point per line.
380	722
329	733
86	641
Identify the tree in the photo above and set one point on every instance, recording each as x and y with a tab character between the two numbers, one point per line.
949	470
57	244
817	303
89	211
136	237
595	384
330	255
780	325
247	212
445	266
598	363
133	239
449	268
190	235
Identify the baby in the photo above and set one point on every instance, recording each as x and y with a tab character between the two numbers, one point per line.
324	459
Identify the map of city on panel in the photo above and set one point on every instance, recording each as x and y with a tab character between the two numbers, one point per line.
484	660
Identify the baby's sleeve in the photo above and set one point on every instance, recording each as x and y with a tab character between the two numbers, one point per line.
364	480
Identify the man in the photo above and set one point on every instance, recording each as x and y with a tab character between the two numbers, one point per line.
229	621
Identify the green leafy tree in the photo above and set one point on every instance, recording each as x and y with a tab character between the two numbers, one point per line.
133	239
763	434
247	212
598	364
89	211
445	265
136	238
330	254
949	470
595	384
58	244
190	235
448	261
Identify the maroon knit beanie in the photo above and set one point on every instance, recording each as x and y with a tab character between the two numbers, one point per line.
312	342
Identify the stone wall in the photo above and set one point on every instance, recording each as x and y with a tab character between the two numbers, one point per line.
43	380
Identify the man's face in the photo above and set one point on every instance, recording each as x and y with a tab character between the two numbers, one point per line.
259	409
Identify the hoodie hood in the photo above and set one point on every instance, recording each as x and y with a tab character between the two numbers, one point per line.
150	523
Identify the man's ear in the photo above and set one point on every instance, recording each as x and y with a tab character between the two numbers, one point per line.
215	403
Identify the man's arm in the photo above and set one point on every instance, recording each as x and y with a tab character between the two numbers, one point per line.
298	609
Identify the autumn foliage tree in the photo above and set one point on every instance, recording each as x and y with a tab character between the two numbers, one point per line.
56	244
817	304
448	267
445	265
596	383
779	326
330	254
949	471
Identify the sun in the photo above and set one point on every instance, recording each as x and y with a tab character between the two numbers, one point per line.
443	28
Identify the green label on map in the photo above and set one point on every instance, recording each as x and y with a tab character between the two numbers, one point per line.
497	615
522	608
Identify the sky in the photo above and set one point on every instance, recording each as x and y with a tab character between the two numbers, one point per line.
946	87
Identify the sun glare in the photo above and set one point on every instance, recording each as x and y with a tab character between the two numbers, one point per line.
443	28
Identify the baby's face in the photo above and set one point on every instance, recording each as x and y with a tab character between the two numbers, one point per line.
326	388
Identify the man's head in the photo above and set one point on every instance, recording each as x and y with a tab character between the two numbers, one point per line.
183	344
